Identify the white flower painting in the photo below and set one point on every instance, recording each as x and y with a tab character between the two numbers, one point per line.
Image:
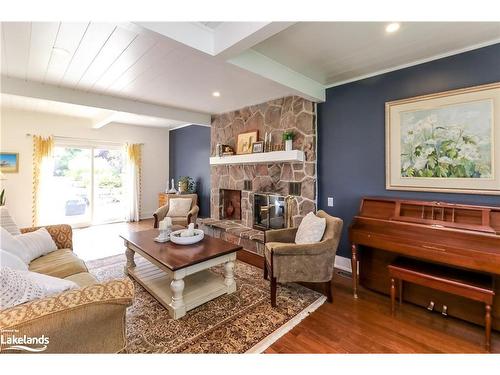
445	142
454	141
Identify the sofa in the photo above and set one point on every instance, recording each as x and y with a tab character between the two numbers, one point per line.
89	319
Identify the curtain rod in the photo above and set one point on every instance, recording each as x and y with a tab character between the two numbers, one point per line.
81	139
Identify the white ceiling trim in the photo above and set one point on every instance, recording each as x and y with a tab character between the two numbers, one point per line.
232	38
416	62
232	41
19	87
104	120
192	34
227	39
186	125
262	65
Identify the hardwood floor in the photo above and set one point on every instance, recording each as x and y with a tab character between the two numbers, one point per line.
364	325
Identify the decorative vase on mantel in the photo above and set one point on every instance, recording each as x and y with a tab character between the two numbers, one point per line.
288	145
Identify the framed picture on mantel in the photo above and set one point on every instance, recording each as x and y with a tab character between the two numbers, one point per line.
445	142
245	142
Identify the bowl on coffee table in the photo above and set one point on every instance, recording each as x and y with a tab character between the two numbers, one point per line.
176	238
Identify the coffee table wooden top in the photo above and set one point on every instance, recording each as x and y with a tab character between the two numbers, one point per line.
174	256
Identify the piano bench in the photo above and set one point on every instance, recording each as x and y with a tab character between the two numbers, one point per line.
471	285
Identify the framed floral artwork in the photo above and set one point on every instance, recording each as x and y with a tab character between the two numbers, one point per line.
445	142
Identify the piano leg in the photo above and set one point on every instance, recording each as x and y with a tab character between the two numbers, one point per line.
488	327
400	289
354	268
393	296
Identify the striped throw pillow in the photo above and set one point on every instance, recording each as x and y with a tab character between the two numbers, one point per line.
7	222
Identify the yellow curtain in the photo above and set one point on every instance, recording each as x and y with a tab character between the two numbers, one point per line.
42	150
134	179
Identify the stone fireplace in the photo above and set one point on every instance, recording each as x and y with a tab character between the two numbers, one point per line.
280	178
287	114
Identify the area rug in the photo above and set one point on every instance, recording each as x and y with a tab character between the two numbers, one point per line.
242	322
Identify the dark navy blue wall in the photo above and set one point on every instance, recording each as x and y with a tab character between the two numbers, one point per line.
351	130
189	156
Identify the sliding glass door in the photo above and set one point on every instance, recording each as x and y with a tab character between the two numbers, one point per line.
109	195
85	185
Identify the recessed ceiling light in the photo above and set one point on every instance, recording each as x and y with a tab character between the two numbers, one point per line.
216	94
392	27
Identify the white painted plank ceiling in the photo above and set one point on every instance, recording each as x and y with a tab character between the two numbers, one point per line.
123	60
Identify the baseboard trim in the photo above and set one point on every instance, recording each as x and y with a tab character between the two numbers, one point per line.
343	263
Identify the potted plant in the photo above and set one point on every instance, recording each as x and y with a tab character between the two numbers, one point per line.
288	138
186	185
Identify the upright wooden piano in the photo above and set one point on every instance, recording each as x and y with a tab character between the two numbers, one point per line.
460	236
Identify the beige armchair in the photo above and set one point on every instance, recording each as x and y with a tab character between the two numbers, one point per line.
286	261
191	216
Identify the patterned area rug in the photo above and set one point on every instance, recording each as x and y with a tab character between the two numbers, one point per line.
241	322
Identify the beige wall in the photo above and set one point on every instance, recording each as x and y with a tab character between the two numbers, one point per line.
16	123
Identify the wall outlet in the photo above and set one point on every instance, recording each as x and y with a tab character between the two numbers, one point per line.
330	201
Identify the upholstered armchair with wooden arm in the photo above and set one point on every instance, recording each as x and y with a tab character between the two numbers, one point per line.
190	217
286	261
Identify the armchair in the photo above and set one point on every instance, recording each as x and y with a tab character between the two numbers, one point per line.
191	216
286	261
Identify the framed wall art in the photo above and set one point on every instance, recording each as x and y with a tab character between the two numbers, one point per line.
445	142
9	162
245	142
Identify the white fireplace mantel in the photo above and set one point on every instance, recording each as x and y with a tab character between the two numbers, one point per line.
260	158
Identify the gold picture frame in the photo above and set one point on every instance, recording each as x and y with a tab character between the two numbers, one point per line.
445	142
245	142
9	162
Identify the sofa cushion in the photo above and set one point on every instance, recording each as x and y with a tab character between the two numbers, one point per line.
179	206
179	220
10	260
60	263
38	243
23	286
7	222
13	246
82	279
311	229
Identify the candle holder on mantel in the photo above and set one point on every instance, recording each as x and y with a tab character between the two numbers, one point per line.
268	146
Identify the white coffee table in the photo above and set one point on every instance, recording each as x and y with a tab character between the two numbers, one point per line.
179	276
